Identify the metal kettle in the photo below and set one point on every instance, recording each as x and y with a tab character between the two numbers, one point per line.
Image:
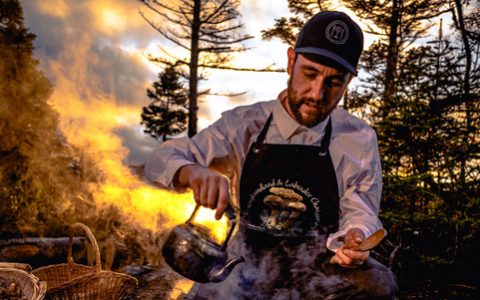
193	255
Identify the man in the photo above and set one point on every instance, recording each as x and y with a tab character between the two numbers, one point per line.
297	169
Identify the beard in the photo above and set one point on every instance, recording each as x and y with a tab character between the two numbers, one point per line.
313	118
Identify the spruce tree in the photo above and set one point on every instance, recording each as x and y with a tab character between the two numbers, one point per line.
420	92
209	30
40	173
166	115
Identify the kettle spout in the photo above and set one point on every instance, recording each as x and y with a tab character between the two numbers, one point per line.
220	273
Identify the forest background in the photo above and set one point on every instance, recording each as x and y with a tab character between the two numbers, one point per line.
419	88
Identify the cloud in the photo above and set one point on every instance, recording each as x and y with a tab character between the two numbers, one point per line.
104	38
97	49
140	145
92	51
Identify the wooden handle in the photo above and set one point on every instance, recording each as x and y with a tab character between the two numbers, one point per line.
372	241
367	244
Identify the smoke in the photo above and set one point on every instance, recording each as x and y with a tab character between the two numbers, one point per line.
63	161
282	270
99	46
98	90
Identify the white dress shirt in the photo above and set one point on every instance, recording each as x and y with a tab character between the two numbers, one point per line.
224	145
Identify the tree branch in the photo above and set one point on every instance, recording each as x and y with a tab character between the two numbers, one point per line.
215	12
214	32
165	34
221	67
226	42
177	60
226	49
187	3
431	16
226	94
220	21
166	17
147	3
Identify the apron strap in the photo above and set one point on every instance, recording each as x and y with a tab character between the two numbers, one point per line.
263	133
326	138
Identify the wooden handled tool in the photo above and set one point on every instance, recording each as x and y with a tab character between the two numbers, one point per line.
368	243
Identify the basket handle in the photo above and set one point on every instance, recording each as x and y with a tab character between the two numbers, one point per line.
93	241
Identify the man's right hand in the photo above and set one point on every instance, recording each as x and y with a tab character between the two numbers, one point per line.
210	189
345	256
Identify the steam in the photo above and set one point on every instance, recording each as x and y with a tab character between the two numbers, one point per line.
282	271
98	90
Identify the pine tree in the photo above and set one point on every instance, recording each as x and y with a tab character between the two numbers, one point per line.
423	100
167	113
13	34
286	29
37	177
208	29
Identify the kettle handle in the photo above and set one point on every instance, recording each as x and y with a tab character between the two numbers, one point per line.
229	212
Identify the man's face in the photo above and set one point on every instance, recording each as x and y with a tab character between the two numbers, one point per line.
314	89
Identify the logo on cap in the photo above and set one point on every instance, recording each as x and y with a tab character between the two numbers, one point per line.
337	32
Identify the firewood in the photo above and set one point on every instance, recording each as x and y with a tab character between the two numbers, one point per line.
40	251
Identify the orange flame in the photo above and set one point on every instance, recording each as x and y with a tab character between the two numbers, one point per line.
182	286
89	124
88	120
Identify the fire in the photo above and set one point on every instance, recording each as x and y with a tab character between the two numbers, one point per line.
146	203
90	126
88	119
182	286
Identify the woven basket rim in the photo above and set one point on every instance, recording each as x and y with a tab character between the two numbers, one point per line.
38	287
91	279
66	265
79	279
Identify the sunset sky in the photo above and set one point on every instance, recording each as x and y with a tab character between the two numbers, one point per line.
94	52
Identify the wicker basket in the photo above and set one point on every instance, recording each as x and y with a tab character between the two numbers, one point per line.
80	282
30	286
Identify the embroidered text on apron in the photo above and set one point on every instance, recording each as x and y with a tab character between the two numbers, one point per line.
289	191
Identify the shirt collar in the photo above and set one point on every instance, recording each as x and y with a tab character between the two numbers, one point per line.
287	125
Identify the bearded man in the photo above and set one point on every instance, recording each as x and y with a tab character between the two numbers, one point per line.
303	176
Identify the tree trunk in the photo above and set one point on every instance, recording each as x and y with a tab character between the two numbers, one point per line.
193	81
41	251
466	81
345	101
392	55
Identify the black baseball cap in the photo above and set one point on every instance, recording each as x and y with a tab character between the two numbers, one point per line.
334	37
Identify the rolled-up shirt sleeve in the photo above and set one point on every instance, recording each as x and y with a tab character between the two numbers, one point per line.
202	149
223	147
360	202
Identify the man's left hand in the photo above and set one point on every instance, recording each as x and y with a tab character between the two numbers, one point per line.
345	256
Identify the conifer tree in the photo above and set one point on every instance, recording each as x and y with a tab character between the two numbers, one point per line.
421	92
209	30
39	172
167	113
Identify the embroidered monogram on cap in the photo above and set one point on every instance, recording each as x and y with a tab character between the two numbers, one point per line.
337	32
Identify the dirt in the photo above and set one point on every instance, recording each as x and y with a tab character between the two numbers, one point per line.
162	283
156	283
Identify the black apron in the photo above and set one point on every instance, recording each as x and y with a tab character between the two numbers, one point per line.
288	205
288	191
